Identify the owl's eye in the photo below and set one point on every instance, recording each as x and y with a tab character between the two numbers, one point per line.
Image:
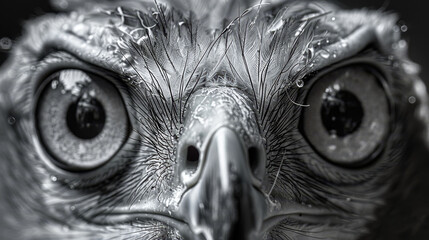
81	119
348	117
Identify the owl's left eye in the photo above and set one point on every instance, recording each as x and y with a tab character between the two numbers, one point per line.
81	119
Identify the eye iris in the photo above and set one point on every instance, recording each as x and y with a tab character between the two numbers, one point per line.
341	112
86	117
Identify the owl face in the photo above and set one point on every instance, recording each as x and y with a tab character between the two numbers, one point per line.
139	120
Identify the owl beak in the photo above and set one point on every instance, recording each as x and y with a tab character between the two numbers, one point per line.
224	203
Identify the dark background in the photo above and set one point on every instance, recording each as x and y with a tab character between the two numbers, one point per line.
413	13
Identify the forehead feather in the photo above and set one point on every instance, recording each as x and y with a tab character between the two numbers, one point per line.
164	46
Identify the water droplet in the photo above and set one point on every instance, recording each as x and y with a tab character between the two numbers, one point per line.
334	55
72	207
412	99
300	83
5	43
337	87
402	44
333	19
11	120
92	93
54	178
404	28
324	54
81	30
327	40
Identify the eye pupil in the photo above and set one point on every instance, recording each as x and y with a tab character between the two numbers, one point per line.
341	112
86	117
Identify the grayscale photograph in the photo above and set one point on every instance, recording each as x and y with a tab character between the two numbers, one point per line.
214	120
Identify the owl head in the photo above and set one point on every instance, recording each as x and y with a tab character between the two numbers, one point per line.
209	120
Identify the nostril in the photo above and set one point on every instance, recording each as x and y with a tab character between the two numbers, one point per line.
192	157
253	154
193	154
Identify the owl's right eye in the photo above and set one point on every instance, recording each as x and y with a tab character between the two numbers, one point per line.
81	119
347	121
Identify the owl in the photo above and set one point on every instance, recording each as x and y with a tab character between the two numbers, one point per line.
200	119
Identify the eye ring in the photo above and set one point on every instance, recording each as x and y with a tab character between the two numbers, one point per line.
55	99
355	86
